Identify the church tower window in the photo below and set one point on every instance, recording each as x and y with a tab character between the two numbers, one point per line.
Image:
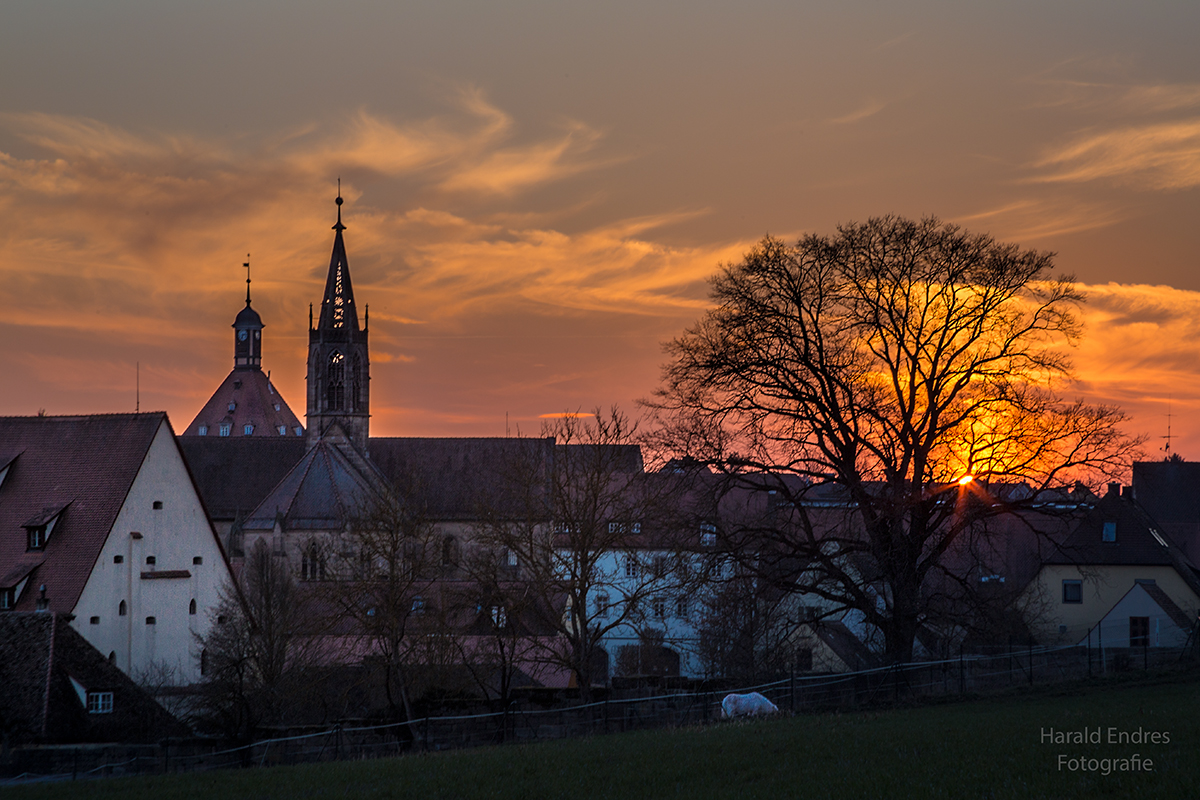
337	381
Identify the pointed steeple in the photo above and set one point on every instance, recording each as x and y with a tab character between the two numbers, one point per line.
338	359
337	306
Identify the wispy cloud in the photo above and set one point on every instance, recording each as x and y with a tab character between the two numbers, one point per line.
1163	155
870	109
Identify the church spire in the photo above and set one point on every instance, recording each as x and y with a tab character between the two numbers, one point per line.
338	360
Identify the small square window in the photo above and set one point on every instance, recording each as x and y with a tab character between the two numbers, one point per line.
151	621
99	702
283	430
232	406
151	560
298	430
197	561
202	430
94	621
1110	532
418	605
1072	591
118	559
277	406
158	505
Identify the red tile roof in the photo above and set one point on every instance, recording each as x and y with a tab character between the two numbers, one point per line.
255	402
86	464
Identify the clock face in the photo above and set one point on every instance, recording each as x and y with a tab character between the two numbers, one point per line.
241	336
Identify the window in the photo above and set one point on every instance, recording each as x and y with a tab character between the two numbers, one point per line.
1139	631
499	617
192	607
202	430
631	566
681	606
99	702
312	563
37	537
94	621
277	406
151	560
151	621
1110	532
247	430
283	430
660	566
512	558
602	605
158	505
7	599
232	406
449	552
298	430
708	534
203	662
659	608
112	656
1072	591
624	527
197	561
224	429
418	605
122	609
118	559
335	389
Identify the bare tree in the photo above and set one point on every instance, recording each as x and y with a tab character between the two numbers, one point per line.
258	655
574	520
383	600
884	365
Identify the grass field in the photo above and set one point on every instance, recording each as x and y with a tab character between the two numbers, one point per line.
988	748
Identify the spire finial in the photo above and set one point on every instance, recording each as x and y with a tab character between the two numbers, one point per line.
247	266
339	226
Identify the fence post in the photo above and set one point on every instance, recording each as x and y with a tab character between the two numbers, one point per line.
962	673
1031	662
792	687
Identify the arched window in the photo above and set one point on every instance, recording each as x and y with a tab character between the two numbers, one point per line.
312	563
122	609
449	552
192	607
336	388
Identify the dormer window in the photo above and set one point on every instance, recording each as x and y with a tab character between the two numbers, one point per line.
298	430
37	538
708	534
277	406
233	407
8	598
236	385
202	430
418	605
224	429
283	430
247	430
39	528
1110	532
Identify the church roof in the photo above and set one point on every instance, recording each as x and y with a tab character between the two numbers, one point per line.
83	466
235	473
327	488
246	397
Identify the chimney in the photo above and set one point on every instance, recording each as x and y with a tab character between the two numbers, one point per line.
1127	492
1114	490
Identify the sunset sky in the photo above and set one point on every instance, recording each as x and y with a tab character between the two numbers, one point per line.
536	192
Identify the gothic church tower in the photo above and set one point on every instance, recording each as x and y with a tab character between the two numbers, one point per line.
338	366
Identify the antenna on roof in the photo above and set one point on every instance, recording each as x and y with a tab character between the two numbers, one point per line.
505	424
1167	446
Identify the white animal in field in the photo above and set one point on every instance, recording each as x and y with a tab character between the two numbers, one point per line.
747	705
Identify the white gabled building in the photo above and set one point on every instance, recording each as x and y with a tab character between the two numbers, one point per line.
100	518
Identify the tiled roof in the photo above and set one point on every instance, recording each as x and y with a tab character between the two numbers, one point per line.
254	401
1177	614
453	476
42	653
87	464
235	473
328	486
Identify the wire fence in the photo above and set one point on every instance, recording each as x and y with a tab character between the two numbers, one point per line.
639	709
